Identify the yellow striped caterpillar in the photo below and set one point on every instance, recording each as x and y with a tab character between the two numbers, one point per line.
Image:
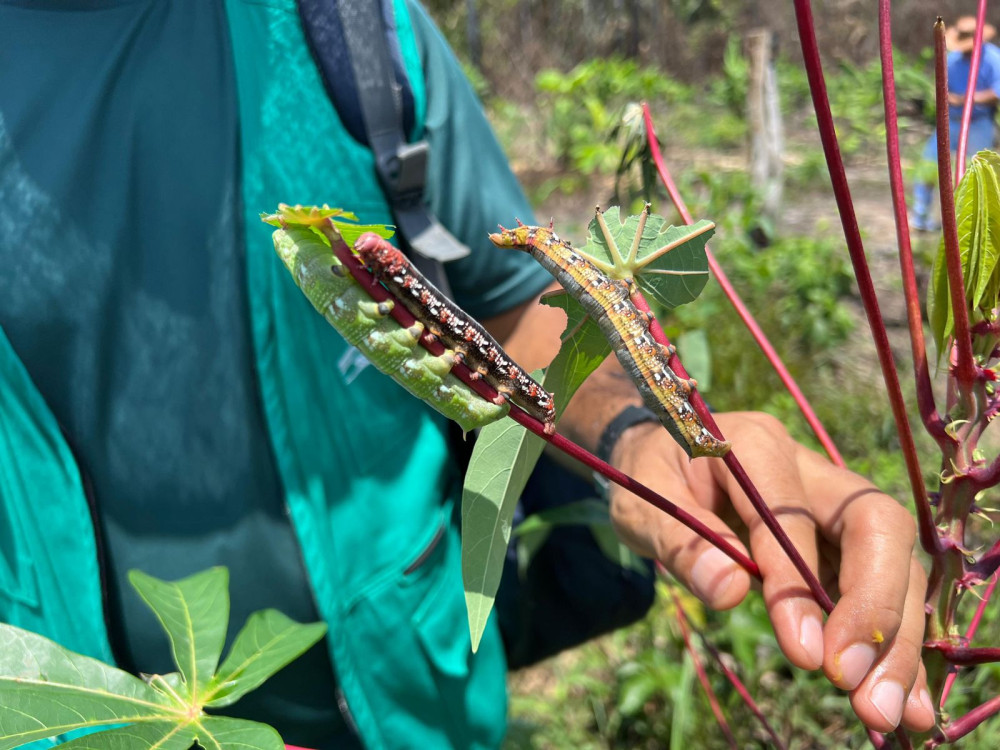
368	325
608	302
455	329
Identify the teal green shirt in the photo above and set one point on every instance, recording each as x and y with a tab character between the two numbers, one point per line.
204	402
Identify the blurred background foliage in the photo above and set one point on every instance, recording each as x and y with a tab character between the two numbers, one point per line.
560	80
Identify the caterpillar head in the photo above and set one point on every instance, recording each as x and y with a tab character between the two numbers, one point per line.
375	252
517	237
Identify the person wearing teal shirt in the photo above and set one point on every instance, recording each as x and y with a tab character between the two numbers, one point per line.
169	401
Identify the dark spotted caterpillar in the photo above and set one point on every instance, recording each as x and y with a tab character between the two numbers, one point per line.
608	302
456	330
368	325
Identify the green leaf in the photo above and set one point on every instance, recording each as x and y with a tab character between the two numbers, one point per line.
977	207
267	642
615	550
668	263
501	463
46	690
195	613
210	732
586	512
343	221
681	697
502	460
697	357
591	512
161	735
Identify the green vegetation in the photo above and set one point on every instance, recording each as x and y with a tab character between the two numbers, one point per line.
636	688
47	691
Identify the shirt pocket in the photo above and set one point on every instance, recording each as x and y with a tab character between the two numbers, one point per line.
411	644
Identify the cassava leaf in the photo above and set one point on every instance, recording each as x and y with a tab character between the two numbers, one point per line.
267	642
161	735
345	222
210	732
586	512
697	357
668	263
46	690
977	208
195	614
501	463
589	512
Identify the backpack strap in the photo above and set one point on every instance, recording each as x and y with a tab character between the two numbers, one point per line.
350	41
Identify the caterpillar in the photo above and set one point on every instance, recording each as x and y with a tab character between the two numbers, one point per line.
455	329
608	301
368	325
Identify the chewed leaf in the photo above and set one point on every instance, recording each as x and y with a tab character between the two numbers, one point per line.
345	222
305	215
668	263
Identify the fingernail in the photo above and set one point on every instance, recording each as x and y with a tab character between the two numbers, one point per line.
811	638
887	697
855	661
711	575
927	703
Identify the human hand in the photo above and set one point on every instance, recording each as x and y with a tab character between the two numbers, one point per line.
856	539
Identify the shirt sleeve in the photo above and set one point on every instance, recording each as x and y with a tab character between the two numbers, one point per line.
470	186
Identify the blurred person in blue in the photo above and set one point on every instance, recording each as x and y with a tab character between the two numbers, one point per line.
169	400
960	40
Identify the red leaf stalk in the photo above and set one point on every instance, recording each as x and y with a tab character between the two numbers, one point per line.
965	366
379	293
921	372
970	92
987	564
960	727
699	668
730	675
741	309
969	634
963	656
842	192
737	470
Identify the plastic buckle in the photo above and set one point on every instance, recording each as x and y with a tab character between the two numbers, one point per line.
404	173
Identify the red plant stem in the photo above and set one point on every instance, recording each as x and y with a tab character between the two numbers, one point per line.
741	309
969	635
965	366
736	468
921	372
699	668
963	656
379	293
842	192
987	564
730	675
970	93
965	724
984	477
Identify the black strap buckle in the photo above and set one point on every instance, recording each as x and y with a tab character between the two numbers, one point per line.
403	172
